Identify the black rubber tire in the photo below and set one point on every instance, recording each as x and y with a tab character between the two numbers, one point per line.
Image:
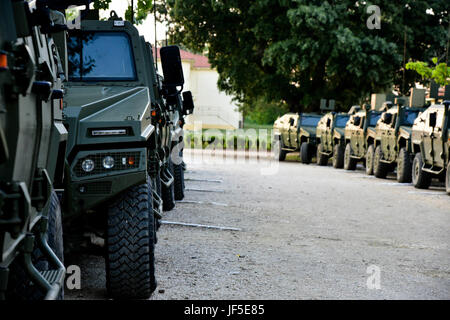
404	166
130	260
305	153
349	162
321	159
178	174
380	169
279	153
447	179
20	286
338	156
168	193
370	155
420	178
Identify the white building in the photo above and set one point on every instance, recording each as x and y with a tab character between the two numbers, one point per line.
213	108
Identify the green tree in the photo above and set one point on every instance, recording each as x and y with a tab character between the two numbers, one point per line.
440	73
141	8
296	52
263	112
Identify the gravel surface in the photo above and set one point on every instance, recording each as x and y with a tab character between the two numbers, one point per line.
306	232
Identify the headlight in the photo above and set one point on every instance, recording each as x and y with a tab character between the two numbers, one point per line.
108	162
87	165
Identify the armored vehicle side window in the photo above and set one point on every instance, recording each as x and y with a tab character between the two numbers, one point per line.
409	117
374	119
100	56
362	122
309	121
341	121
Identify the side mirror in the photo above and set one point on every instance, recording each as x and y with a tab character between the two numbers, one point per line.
171	65
188	103
432	119
357	121
291	121
328	122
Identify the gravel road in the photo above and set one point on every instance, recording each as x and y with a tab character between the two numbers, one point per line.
306	232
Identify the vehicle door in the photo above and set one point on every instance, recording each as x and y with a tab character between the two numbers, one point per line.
390	152
359	149
293	131
427	146
350	129
436	138
283	130
329	126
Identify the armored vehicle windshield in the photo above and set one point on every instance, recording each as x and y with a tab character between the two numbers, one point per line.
341	120
374	119
100	56
309	120
410	116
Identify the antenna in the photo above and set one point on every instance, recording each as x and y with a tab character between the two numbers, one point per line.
132	12
156	42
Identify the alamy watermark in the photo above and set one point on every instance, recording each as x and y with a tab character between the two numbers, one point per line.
374	20
374	279
75	23
240	146
73	277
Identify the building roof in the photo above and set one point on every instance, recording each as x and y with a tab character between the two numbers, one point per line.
198	60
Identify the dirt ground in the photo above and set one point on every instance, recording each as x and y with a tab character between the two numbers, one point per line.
304	232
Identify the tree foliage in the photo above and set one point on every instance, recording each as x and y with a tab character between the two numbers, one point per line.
440	73
141	8
297	52
263	112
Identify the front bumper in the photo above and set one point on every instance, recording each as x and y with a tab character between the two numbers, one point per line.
85	191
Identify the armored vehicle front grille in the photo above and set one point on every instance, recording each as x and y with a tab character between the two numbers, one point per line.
122	161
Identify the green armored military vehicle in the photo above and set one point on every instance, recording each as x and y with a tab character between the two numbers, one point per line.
31	137
431	146
115	151
360	138
393	142
295	132
182	105
178	105
187	104
331	138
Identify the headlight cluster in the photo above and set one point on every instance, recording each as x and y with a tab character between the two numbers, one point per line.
107	162
88	165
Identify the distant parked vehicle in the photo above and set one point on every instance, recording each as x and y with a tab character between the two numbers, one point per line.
431	146
296	132
393	142
331	138
360	139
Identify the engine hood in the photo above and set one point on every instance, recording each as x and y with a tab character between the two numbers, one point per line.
308	131
371	131
339	132
89	108
405	132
